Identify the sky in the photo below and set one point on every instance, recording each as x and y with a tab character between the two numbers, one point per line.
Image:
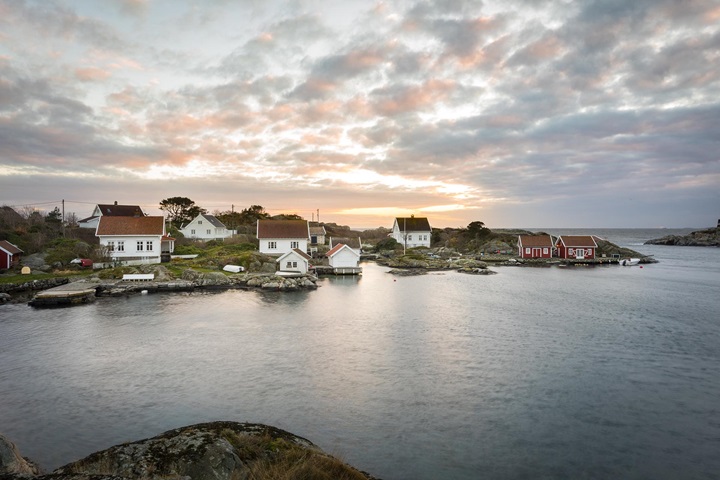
516	113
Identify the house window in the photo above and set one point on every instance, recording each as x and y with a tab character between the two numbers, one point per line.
192	232
272	245
294	264
545	251
208	232
571	251
294	244
149	246
111	246
410	237
139	246
199	222
288	265
527	250
121	247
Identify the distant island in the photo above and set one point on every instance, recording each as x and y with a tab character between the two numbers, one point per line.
701	238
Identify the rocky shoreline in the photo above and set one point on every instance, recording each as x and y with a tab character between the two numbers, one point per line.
699	238
220	450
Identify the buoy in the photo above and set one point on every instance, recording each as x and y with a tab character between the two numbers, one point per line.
640	266
143	292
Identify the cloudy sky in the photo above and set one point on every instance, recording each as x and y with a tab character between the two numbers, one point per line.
520	114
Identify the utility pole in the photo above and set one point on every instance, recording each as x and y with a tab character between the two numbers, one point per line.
63	218
404	234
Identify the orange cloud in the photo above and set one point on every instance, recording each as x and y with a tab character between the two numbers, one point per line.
91	74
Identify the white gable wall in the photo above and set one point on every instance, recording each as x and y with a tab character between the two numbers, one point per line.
344	258
202	229
149	253
292	262
414	238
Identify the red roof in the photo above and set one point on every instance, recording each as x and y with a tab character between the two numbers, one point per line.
282	229
130	226
335	249
9	247
535	240
577	241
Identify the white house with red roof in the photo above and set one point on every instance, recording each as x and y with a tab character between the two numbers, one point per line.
277	237
579	247
294	261
344	259
134	240
535	246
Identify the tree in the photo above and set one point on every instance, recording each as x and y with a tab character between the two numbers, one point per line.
252	214
477	229
180	210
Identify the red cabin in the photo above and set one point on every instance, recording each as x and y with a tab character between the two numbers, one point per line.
579	247
535	246
9	255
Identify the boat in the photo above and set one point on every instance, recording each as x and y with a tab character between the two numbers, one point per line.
629	262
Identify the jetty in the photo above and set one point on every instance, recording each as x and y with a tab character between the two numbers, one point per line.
75	293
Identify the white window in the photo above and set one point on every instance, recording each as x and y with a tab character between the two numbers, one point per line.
527	250
294	244
545	251
208	232
111	246
149	246
140	246
410	237
571	251
192	232
121	247
288	265
272	245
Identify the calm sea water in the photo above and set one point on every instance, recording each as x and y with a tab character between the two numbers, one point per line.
604	372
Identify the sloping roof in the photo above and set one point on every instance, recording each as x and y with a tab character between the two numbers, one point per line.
212	219
535	240
413	224
87	219
130	226
352	242
282	229
120	210
339	247
577	240
297	251
9	247
316	228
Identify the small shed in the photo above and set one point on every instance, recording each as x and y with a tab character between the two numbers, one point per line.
294	261
343	259
535	246
9	255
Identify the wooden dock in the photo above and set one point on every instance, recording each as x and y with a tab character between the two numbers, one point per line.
76	293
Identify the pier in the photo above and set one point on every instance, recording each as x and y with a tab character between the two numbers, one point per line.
76	293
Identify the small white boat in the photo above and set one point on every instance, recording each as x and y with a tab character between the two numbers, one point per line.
629	262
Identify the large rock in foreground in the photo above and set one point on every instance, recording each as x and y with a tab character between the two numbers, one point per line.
209	451
701	238
11	462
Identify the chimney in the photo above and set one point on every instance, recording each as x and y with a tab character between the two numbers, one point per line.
115	202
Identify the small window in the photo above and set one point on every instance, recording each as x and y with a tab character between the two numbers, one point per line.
149	246
192	232
294	264
140	246
294	244
410	237
199	222
121	246
208	232
527	250
272	245
545	250
111	246
288	265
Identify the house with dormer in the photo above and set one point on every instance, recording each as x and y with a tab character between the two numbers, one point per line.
206	227
134	240
110	210
277	237
412	231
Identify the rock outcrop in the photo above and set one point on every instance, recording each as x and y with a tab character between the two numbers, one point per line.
12	463
700	238
208	451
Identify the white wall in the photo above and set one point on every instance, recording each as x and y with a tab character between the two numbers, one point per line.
201	230
282	245
130	247
344	258
415	239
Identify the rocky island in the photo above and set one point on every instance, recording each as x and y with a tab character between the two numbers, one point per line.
208	451
701	238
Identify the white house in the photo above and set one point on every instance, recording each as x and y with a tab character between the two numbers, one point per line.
353	242
277	237
206	227
294	261
134	240
342	256
110	210
317	233
412	231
